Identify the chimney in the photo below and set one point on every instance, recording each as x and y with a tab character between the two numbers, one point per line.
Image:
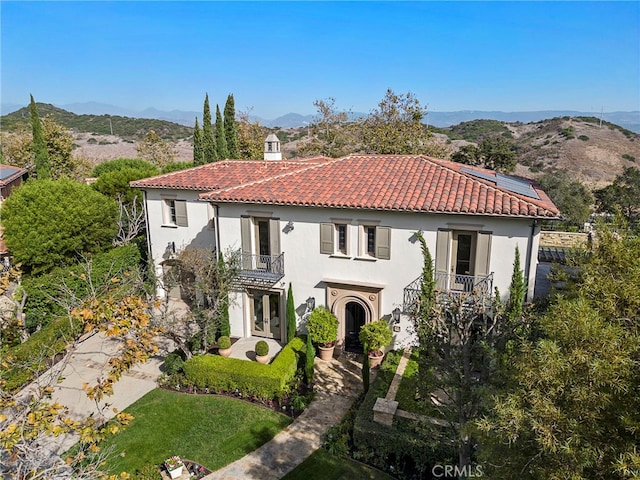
272	148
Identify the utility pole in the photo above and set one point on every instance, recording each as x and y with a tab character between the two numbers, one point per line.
601	110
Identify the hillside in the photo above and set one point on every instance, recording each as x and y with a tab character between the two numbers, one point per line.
126	128
588	150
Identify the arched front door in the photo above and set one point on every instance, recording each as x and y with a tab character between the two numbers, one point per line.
355	317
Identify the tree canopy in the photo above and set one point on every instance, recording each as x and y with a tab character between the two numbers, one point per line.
50	222
230	129
493	153
570	196
571	408
623	194
41	155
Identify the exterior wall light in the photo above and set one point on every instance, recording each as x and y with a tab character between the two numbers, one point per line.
396	315
311	303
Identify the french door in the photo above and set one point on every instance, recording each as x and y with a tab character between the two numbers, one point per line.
266	314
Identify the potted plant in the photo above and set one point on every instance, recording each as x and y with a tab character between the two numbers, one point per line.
262	351
224	346
323	329
375	336
174	466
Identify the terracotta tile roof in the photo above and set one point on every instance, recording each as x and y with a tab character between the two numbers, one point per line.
224	174
373	182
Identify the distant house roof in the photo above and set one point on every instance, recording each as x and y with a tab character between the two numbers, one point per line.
409	183
9	173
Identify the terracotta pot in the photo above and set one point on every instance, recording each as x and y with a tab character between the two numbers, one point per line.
262	358
326	353
225	352
375	358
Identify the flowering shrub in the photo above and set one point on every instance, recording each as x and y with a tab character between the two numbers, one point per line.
173	463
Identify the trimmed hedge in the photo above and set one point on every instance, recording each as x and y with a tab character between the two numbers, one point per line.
252	379
409	448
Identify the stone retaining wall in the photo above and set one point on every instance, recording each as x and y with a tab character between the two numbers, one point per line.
562	239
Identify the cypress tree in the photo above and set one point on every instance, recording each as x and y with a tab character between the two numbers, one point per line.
208	140
221	142
230	128
39	143
310	358
517	290
291	315
198	151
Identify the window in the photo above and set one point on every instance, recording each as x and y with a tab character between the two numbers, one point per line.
375	242
334	238
341	231
175	212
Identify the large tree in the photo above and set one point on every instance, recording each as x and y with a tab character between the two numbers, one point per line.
251	136
205	281
572	198
221	141
30	426
156	150
198	147
41	155
230	129
492	153
208	138
623	194
460	341
396	127
330	134
571	409
51	222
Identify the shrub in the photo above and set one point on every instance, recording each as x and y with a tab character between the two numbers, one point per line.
173	363
323	326
224	342
121	164
262	348
50	222
263	381
584	138
116	183
408	449
43	291
309	354
375	335
631	158
176	166
148	472
37	351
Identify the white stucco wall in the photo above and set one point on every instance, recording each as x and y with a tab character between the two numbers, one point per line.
308	270
199	232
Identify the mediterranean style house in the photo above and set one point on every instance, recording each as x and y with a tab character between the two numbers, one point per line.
342	232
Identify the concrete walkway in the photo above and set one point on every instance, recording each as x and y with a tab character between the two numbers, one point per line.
337	384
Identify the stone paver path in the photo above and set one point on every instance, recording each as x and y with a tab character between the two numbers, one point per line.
337	383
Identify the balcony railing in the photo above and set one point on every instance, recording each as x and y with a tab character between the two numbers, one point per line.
261	270
451	284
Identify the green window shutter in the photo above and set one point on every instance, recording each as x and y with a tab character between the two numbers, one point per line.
483	253
326	238
443	242
383	243
181	213
274	236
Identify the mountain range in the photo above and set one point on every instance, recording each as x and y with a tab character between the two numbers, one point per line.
628	120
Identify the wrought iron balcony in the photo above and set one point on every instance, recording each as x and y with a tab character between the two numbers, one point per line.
451	284
260	270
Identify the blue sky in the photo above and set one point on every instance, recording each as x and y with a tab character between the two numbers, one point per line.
278	57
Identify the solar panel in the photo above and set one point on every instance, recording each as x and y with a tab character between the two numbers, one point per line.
475	173
6	172
515	185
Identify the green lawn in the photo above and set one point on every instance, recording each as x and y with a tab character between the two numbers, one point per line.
406	396
213	431
322	465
